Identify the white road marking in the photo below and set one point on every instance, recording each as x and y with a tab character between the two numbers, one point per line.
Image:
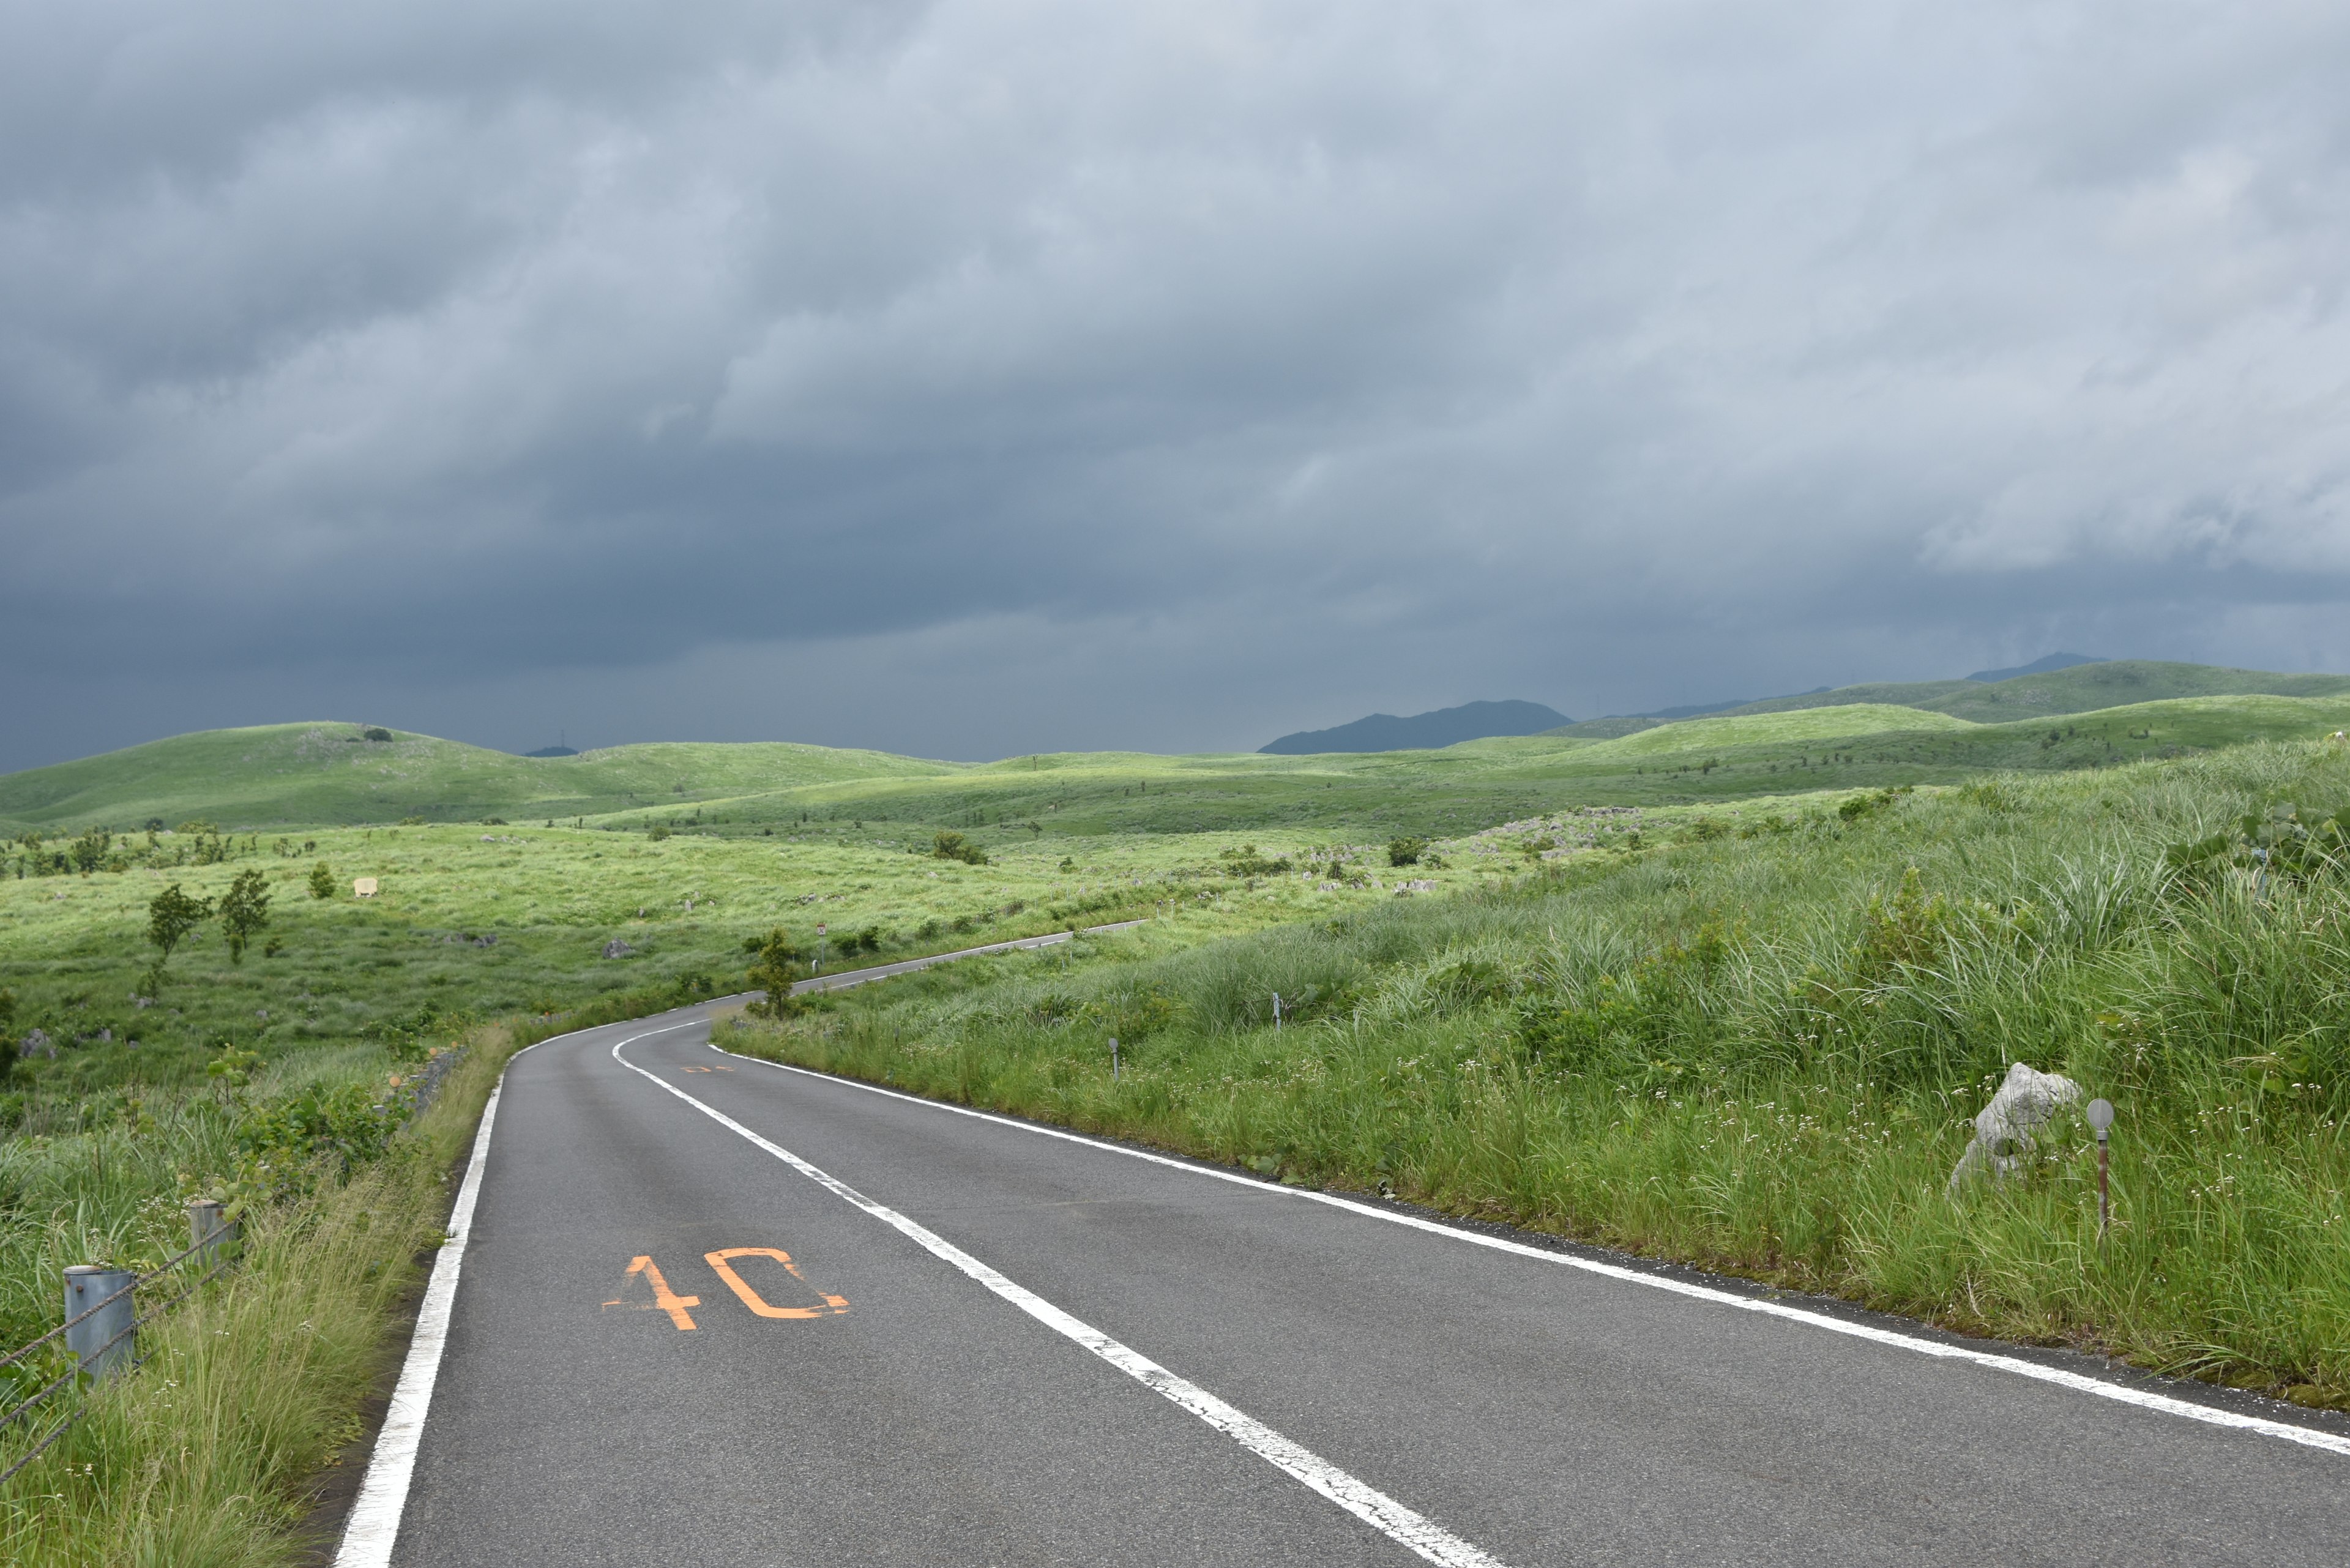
374	1522
2119	1392
1415	1531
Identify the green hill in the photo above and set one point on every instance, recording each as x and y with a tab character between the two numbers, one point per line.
2081	688
325	774
322	773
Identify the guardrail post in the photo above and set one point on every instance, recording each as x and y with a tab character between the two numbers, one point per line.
102	1341
207	1231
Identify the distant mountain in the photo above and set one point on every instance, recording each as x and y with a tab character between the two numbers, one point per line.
1617	725
2037	667
1421	732
553	752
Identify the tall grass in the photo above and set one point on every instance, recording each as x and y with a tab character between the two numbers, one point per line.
202	1457
1764	1054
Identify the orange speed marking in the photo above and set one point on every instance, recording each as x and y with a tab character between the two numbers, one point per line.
664	1298
756	1302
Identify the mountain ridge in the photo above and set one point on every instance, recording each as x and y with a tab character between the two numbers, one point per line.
1431	731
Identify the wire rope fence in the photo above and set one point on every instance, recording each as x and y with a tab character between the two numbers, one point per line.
99	1336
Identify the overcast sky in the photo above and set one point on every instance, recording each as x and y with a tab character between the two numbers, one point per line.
975	379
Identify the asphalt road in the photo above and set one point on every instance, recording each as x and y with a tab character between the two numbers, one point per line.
994	1346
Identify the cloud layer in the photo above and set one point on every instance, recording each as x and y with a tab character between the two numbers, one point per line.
971	378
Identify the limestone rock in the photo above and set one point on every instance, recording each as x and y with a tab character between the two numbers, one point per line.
37	1040
2006	1128
616	948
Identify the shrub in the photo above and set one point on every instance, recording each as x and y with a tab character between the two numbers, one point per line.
954	847
375	732
656	832
89	851
1406	851
1246	862
322	879
287	1144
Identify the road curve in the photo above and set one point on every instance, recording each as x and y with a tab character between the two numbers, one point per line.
990	1346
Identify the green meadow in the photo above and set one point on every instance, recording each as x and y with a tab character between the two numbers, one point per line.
1756	1041
1726	990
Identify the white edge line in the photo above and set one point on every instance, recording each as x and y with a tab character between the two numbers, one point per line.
1423	1536
2121	1393
373	1525
374	1522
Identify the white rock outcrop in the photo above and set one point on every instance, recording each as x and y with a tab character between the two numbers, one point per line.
2006	1128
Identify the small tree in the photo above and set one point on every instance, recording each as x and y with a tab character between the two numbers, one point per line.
778	967
170	916
243	910
1406	851
89	849
322	879
955	847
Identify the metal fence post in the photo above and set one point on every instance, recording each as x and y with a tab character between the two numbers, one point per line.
207	1231
103	1341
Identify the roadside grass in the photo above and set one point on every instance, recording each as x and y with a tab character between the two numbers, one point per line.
1762	1053
205	1454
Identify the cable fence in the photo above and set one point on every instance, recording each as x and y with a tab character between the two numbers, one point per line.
99	1336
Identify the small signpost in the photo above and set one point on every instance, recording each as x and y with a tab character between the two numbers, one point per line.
1276	1012
819	948
2101	1121
1113	1058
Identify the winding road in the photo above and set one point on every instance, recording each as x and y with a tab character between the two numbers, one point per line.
700	1309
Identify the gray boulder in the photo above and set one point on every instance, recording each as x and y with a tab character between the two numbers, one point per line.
2007	1129
616	948
37	1041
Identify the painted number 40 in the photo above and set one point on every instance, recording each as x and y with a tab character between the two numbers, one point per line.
644	1273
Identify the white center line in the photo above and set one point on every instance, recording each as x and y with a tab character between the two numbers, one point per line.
1421	1534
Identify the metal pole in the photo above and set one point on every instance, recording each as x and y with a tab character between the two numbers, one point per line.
1276	1012
207	1230
1113	1058
2105	1206
102	1341
2100	1120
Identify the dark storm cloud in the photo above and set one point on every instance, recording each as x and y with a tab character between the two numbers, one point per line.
975	378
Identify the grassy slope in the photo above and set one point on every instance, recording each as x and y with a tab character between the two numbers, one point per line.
73	948
2081	688
320	773
1760	1053
753	789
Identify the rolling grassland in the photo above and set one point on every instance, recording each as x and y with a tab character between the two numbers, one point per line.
1677	989
304	776
1757	1046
